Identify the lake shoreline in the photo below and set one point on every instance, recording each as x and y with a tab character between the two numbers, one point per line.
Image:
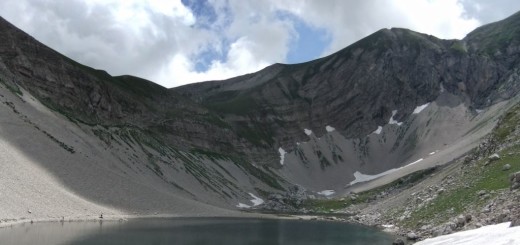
9	223
6	223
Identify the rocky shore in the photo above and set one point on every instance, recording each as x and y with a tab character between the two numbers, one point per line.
397	208
503	208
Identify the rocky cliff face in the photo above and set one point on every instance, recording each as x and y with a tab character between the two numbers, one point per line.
357	88
355	110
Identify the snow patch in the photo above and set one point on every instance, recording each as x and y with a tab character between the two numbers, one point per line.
378	130
420	108
241	205
388	226
431	153
365	177
413	162
492	234
326	192
329	128
359	177
392	121
442	89
478	111
307	131
256	200
282	155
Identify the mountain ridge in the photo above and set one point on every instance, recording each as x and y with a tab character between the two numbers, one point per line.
442	49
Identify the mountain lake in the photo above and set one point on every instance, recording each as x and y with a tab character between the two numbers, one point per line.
234	231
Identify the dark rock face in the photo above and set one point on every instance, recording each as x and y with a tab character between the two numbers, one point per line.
93	97
357	88
353	90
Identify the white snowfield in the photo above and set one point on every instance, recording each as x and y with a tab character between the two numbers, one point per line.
420	108
282	155
329	128
418	160
365	177
307	131
378	130
359	177
241	205
326	192
500	234
393	121
256	201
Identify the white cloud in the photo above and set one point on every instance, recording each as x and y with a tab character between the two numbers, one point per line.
444	19
240	60
260	40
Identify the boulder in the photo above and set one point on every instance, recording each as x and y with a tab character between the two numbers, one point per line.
412	236
468	218
398	241
461	221
494	157
451	225
444	230
515	180
506	167
426	227
481	193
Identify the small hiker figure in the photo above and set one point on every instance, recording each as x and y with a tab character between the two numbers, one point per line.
101	216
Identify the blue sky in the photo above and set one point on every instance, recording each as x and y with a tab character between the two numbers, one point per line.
310	42
175	42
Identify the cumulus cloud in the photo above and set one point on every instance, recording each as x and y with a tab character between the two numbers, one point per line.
173	43
129	36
